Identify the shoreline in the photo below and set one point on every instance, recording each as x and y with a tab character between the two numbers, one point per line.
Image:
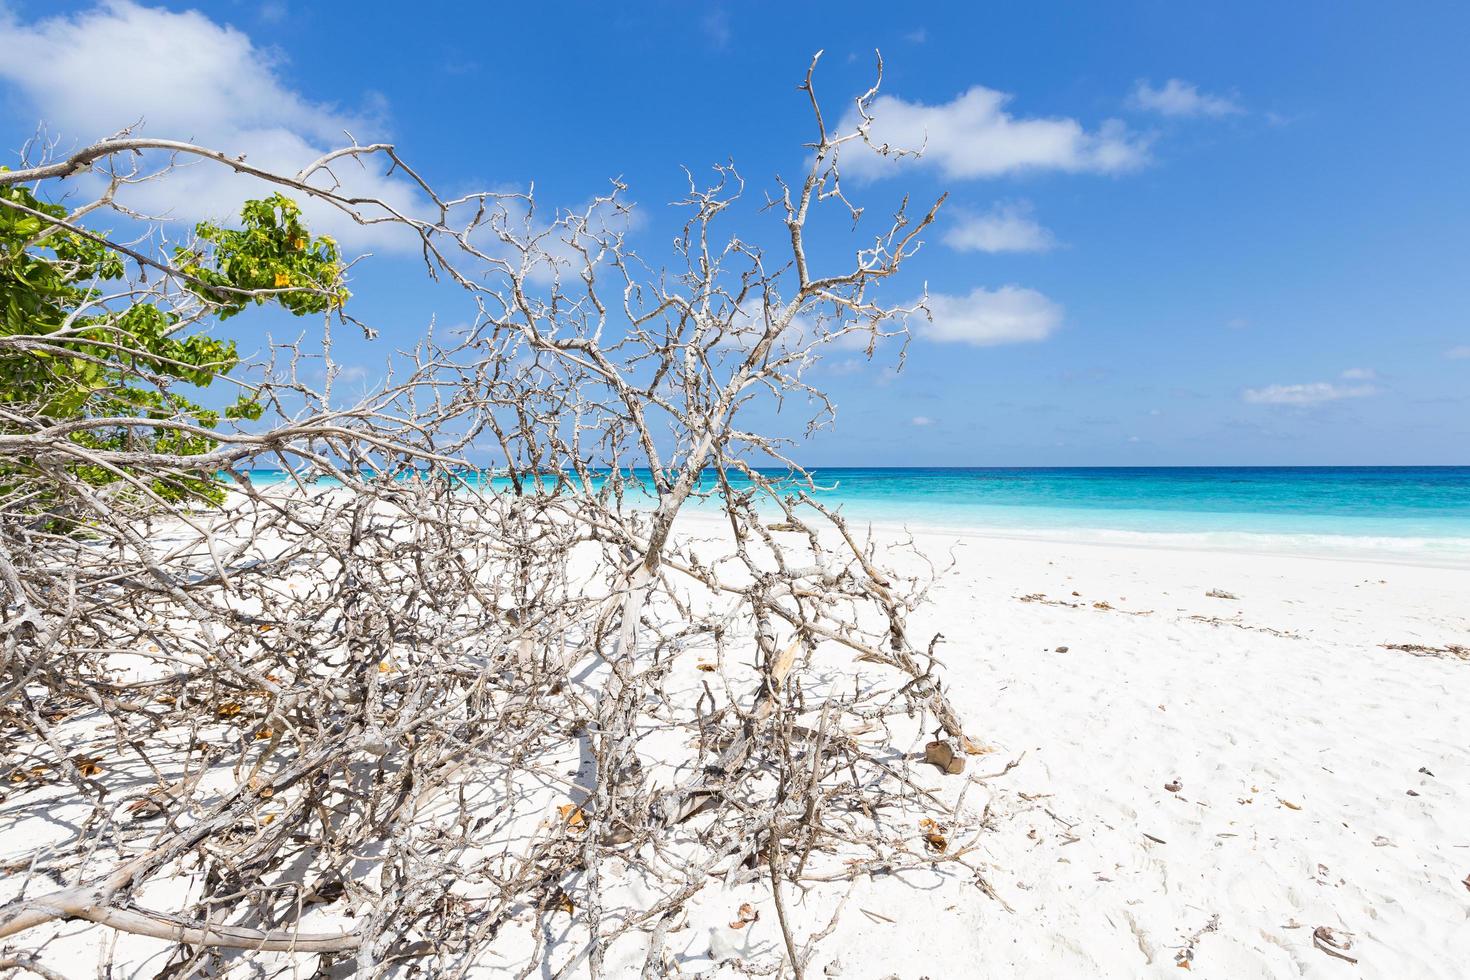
1401	551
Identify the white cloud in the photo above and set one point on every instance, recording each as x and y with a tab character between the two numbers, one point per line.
1359	374
921	421
847	366
1458	353
1010	314
1237	323
186	77
1179	98
1315	393
974	136
1007	227
748	325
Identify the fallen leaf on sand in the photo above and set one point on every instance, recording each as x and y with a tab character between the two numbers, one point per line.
145	806
572	816
707	668
745	916
973	747
1332	944
1290	805
88	766
934	838
1174	785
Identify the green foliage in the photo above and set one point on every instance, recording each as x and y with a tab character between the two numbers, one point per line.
65	355
274	252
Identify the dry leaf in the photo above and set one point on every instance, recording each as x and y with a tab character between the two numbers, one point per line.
229	709
572	816
747	915
784	660
146	805
563	901
265	733
1332	944
936	843
973	747
34	772
1174	785
88	766
707	668
1290	805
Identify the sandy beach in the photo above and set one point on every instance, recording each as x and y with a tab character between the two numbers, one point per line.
1197	759
1319	779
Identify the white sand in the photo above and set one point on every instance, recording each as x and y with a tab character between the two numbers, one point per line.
1249	721
1297	739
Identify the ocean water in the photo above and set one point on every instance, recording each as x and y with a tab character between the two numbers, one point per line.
1409	513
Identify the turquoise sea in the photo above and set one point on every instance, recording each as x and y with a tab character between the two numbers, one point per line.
1416	513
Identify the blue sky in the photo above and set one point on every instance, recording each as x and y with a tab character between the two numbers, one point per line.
1177	233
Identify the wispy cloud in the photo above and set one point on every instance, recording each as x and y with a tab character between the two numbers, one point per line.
847	366
974	136
716	26
985	317
1359	374
1007	227
1180	99
1314	393
1458	353
921	421
917	36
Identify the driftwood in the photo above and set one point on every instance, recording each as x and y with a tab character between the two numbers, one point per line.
405	708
